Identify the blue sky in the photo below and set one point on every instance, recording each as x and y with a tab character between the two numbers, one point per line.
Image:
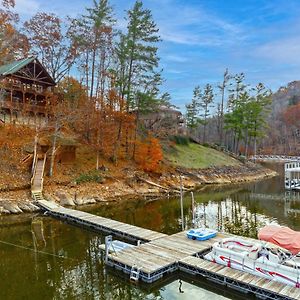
203	37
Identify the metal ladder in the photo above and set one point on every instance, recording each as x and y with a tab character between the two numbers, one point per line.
135	273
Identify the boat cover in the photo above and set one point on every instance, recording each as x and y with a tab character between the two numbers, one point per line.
281	236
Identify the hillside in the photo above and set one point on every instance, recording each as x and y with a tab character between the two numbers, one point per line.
79	183
196	156
284	97
282	135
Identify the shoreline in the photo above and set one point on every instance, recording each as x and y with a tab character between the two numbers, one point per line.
141	185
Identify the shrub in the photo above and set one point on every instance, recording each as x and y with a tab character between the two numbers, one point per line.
92	176
149	154
180	140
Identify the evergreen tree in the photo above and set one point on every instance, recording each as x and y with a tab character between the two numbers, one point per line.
192	109
138	53
222	88
248	117
234	118
259	110
138	78
205	105
93	34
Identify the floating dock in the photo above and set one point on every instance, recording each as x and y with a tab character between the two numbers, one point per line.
157	255
238	280
119	229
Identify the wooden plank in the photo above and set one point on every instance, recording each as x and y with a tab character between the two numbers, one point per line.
142	259
178	245
246	278
214	267
170	245
164	252
231	273
150	257
291	292
259	281
193	245
190	260
274	286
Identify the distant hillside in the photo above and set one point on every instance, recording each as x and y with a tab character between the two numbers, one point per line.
285	96
283	133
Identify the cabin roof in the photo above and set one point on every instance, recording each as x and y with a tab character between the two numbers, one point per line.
15	66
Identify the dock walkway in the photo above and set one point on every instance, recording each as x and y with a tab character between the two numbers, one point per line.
159	254
119	229
261	287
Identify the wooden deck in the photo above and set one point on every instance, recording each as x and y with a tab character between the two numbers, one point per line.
116	228
238	279
160	254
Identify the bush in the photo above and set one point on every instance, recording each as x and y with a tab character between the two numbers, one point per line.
149	154
180	140
92	176
242	158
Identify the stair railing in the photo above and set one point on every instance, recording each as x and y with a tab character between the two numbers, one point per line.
34	163
42	175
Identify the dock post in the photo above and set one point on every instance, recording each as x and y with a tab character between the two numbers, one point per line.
193	208
181	204
108	240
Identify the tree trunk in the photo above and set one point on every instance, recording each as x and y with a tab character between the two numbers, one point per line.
97	160
53	150
93	72
117	142
35	150
222	114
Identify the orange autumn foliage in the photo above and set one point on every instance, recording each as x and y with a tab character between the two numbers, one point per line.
12	141
291	115
13	44
148	154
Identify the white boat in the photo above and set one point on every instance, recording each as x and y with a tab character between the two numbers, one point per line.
258	258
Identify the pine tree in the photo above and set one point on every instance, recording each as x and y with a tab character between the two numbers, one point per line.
138	61
192	109
233	120
93	34
140	52
222	88
205	105
260	108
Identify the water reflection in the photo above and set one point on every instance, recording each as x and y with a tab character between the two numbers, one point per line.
43	258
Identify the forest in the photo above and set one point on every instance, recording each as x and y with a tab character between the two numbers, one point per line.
108	78
117	75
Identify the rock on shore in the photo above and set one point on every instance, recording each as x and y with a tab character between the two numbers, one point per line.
17	207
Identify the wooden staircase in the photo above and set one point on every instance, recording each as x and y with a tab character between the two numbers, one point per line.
38	177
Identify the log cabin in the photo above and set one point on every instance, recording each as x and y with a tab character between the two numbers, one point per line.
26	90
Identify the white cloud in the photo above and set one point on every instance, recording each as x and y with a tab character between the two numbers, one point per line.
179	37
193	25
282	50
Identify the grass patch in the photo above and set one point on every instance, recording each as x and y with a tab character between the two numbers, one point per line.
92	176
198	157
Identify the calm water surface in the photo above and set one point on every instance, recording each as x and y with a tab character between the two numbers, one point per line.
43	258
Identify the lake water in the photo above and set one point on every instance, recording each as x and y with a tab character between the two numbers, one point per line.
43	258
